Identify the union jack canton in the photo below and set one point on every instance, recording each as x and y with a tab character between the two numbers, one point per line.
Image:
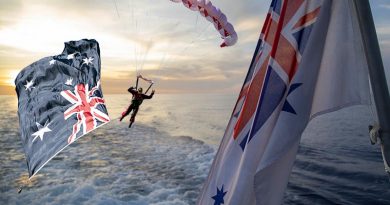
274	64
263	96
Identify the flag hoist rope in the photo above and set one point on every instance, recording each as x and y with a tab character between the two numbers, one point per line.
377	78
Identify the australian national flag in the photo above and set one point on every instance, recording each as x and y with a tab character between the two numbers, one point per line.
60	100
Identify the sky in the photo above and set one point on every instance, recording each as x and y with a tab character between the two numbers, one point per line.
160	39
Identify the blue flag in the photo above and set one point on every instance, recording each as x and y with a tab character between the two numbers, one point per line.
59	100
309	61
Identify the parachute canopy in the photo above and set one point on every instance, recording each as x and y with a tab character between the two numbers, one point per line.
214	15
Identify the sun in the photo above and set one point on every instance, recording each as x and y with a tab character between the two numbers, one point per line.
11	77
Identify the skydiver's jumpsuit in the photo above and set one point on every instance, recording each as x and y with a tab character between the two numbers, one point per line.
137	100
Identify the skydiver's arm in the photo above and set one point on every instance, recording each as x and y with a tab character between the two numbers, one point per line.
132	90
148	96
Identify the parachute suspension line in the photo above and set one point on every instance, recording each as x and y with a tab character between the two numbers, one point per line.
196	21
134	21
145	54
136	58
190	44
198	37
136	30
132	11
116	7
158	71
149	43
139	55
161	62
135	49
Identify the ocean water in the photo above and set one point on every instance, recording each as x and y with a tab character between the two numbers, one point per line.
165	157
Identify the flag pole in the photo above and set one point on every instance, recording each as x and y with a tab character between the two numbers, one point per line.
377	76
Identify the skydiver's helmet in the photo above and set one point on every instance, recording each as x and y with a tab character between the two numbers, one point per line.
140	90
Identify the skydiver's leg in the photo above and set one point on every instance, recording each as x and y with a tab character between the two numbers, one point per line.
134	114
132	119
127	112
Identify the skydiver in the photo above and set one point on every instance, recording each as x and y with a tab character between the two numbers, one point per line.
138	98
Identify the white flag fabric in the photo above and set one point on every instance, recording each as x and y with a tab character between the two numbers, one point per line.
309	61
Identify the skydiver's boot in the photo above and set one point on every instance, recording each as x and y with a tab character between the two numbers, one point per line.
131	121
122	116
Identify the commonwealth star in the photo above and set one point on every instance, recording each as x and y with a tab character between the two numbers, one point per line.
41	130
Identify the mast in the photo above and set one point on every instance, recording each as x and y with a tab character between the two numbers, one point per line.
377	76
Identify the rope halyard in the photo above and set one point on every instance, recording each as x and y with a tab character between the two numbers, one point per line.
375	134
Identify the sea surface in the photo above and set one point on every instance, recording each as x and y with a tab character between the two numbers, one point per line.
165	157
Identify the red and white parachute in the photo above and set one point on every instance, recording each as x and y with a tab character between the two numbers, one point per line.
214	15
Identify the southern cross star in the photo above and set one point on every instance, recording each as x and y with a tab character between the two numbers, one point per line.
52	62
41	130
88	60
287	107
69	81
29	85
218	198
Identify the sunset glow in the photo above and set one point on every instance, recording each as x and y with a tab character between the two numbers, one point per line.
12	75
165	41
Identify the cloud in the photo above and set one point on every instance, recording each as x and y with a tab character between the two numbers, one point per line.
166	41
384	30
8	11
385	6
192	75
385	43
